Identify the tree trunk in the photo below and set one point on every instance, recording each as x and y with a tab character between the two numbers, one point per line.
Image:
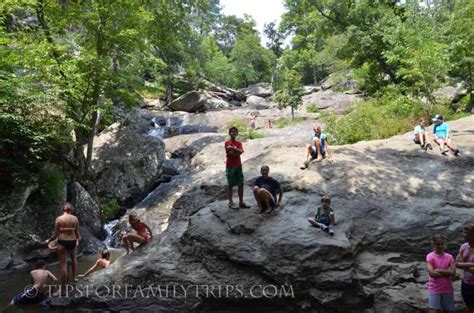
292	113
169	86
97	87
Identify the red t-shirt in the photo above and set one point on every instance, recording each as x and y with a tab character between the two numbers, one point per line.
233	160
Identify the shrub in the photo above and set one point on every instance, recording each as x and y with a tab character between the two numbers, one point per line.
281	123
110	210
312	108
51	184
245	133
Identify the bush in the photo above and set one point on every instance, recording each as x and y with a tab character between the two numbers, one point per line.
245	133
110	210
374	119
288	122
51	184
383	117
312	108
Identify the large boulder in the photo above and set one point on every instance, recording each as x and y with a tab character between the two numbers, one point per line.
126	162
192	101
258	103
389	198
331	101
263	90
87	211
449	94
217	104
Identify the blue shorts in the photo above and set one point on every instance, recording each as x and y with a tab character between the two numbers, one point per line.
324	220
441	301
30	296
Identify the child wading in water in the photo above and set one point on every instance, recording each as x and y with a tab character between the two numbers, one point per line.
103	262
441	269
37	292
142	236
325	218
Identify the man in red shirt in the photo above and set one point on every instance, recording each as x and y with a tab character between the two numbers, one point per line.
233	168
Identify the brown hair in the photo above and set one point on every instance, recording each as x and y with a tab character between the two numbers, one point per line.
134	216
68	207
105	254
326	198
438	238
468	228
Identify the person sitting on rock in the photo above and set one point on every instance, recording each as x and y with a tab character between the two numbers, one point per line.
141	237
265	191
102	262
441	269
318	149
37	292
420	135
441	136
325	218
465	261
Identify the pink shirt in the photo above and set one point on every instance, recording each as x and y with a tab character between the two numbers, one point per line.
467	254
440	284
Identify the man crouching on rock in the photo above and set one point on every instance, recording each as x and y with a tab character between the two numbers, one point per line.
265	191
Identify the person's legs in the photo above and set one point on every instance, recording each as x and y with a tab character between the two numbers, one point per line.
258	198
229	195
73	256
266	197
62	258
313	222
126	244
135	238
434	302
309	149
318	150
452	147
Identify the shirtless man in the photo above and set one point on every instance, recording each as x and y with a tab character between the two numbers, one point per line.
66	229
37	292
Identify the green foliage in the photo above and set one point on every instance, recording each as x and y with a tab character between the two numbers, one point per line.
291	92
376	118
312	108
245	133
251	62
284	122
51	184
110	210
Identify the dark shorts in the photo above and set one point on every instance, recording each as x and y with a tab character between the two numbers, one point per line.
314	153
29	296
467	292
323	220
415	140
69	245
235	176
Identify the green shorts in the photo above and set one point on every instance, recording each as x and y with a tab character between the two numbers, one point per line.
235	176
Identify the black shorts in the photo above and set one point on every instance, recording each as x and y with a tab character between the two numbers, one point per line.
69	245
415	140
467	292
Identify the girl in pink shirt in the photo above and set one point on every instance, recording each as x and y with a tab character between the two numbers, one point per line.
441	269
465	261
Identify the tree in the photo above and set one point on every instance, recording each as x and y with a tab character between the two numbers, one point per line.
291	93
251	62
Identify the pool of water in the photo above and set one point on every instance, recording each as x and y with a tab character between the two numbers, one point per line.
13	283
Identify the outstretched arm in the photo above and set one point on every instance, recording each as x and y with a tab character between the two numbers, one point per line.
55	232
53	278
92	269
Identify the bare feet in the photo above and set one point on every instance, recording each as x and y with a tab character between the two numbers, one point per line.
232	206
318	159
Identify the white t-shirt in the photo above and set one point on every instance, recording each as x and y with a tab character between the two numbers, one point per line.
419	130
